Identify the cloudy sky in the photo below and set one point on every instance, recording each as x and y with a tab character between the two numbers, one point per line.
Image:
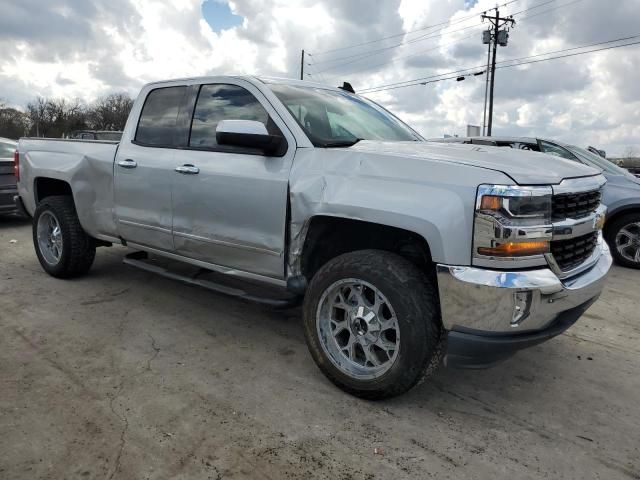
87	48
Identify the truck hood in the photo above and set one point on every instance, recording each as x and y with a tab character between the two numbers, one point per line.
524	167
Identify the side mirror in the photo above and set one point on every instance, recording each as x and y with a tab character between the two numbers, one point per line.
248	134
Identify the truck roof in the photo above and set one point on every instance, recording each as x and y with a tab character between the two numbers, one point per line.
251	78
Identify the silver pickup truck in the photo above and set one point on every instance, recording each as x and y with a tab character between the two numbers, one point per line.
406	254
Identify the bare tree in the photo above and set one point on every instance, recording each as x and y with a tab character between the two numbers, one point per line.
13	123
58	117
630	152
36	111
110	112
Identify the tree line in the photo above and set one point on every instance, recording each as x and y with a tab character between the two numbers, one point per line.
58	117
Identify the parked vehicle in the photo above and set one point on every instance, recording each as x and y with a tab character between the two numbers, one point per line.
404	251
95	135
8	188
621	194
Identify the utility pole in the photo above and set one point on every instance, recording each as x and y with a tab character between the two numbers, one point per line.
495	38
302	65
486	83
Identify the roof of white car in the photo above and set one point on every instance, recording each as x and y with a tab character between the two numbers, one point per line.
499	138
492	138
8	140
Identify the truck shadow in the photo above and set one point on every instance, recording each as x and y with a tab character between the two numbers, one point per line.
9	221
449	390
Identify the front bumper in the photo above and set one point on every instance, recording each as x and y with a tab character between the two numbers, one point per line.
478	307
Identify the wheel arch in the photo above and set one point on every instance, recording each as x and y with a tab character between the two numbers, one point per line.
44	187
619	212
328	236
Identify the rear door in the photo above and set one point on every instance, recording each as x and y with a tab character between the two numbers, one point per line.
230	203
144	169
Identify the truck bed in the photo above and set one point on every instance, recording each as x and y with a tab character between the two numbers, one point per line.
85	165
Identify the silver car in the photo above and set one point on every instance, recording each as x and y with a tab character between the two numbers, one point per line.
621	193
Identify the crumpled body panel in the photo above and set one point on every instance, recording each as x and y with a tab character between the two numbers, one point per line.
431	198
85	165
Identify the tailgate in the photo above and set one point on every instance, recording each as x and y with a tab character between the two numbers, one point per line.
6	166
6	173
7	180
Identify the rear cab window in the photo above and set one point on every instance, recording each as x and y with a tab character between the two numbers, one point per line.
157	125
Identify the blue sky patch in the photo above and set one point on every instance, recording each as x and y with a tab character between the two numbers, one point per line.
219	16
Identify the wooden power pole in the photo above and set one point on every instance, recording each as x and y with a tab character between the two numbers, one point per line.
497	37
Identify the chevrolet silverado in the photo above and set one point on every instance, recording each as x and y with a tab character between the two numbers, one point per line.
405	254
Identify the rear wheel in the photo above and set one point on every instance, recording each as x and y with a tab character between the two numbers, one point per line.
623	236
62	246
372	323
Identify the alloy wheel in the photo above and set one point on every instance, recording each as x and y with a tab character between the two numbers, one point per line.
628	242
358	328
49	236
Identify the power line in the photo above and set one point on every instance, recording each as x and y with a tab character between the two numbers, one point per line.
428	27
510	60
549	10
422	52
572	54
533	8
478	27
363	55
374	52
419	82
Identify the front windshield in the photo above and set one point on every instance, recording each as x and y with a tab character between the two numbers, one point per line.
333	118
602	163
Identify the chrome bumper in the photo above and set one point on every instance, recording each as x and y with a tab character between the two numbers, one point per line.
480	300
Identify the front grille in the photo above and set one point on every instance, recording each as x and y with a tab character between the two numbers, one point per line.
573	252
575	205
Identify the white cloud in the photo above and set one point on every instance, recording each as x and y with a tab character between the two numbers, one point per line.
86	48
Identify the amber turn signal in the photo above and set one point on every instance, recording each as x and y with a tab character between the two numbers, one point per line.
490	202
515	249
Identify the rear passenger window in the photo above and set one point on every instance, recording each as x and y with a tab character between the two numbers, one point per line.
223	102
157	126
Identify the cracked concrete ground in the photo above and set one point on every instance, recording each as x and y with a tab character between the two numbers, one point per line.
125	375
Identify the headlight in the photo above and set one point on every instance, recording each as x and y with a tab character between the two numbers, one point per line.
512	223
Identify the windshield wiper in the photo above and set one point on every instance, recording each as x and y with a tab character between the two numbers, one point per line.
341	143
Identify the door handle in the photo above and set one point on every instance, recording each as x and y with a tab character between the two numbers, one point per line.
187	169
128	163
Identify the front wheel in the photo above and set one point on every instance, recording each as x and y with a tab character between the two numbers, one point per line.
62	246
372	323
623	236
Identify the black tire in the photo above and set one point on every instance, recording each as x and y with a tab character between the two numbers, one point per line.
611	232
415	302
78	248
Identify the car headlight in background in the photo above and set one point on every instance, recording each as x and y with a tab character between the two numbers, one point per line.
512	223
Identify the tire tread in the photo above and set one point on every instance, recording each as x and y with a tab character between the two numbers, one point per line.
79	249
424	303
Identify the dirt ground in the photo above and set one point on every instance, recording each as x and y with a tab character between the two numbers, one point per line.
125	375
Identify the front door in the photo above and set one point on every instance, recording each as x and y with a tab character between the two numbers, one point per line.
143	172
230	204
